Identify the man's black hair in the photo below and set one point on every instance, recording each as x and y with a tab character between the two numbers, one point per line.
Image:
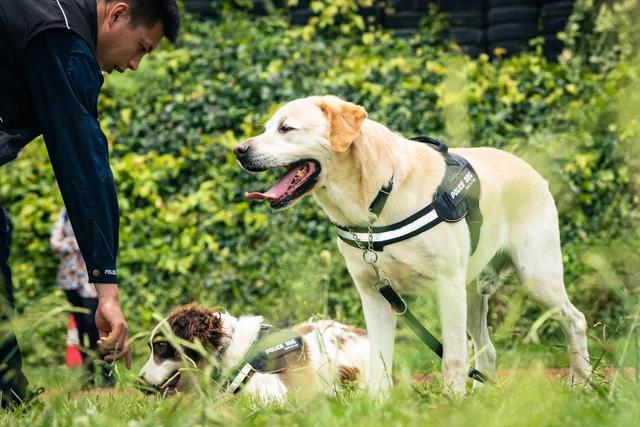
149	12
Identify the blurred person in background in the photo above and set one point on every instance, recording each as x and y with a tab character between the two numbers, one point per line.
72	278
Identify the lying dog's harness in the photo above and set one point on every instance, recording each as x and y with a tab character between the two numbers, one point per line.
456	198
266	355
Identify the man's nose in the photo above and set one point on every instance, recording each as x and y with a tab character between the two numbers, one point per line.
242	150
134	63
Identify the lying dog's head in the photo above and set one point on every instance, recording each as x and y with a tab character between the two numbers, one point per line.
302	137
189	323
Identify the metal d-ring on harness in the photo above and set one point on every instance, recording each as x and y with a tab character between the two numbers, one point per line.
383	284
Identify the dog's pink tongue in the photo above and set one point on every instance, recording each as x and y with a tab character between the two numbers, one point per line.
278	190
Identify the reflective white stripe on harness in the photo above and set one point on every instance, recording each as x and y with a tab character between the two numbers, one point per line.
391	234
66	21
240	378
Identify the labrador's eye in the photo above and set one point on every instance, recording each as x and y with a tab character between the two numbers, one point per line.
284	128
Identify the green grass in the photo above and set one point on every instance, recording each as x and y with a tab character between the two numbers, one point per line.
523	400
528	399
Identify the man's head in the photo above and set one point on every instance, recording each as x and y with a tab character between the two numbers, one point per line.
129	29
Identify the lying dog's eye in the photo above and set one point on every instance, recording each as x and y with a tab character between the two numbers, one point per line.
284	128
161	348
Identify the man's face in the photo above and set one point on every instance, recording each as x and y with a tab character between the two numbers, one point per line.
121	45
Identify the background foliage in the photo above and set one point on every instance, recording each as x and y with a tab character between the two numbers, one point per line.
188	234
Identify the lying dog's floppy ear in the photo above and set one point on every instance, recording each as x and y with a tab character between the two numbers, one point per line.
193	322
345	120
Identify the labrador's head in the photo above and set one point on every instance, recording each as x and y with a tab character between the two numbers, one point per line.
302	137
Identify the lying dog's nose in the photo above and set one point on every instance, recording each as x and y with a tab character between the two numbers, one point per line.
242	150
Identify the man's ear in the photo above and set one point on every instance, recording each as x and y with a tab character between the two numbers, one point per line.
345	120
117	11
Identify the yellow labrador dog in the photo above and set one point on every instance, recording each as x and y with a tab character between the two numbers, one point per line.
331	150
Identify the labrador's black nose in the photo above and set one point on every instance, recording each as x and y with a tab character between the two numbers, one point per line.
242	150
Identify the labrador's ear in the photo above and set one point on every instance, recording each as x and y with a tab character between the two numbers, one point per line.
345	120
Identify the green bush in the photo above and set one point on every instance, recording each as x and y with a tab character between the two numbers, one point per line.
187	232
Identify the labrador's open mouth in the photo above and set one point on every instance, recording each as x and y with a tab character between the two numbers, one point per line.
299	179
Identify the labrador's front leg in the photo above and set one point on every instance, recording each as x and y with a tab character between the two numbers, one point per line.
381	327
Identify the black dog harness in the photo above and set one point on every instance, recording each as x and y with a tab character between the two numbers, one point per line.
266	355
456	198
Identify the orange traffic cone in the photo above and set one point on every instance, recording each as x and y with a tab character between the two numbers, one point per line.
74	357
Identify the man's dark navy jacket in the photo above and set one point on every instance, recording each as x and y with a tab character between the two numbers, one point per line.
50	80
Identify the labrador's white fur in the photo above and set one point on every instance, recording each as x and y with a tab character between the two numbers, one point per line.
357	157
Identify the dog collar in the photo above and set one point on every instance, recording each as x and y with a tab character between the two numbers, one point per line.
265	328
381	198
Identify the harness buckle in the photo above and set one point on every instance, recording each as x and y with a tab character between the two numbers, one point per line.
398	304
246	371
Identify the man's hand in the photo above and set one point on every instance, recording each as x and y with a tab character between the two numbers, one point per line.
112	326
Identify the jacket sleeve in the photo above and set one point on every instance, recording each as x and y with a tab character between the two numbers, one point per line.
65	79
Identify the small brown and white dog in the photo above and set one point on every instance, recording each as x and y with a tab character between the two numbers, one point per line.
330	149
332	354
